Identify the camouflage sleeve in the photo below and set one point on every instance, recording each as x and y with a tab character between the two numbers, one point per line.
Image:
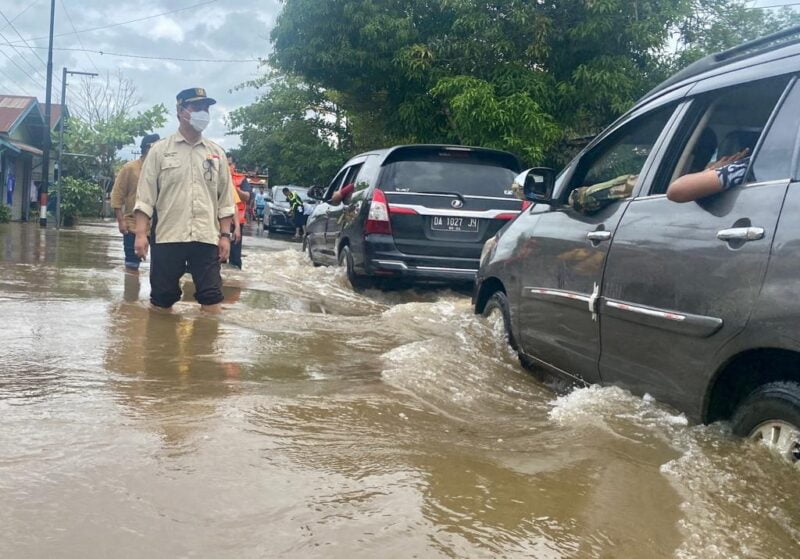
734	174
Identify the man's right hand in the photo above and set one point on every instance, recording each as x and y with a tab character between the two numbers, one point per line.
728	159
140	246
123	227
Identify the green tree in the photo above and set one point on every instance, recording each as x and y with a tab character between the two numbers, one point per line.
512	74
102	124
716	25
79	197
296	130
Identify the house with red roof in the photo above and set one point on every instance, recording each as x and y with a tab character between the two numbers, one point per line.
22	133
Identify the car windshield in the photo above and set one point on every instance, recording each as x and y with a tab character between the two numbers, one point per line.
279	198
467	176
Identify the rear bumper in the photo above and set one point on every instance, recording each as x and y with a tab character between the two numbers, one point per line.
382	259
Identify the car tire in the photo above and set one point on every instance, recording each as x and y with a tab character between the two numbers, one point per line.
771	414
307	251
359	283
498	303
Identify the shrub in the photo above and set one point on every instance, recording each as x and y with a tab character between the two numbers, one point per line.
79	198
5	213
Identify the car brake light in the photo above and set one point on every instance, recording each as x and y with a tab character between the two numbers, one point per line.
526	204
506	216
378	217
404	211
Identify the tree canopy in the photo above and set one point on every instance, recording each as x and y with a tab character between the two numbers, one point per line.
511	74
103	123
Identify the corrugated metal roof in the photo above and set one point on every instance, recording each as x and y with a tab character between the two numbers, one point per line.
12	107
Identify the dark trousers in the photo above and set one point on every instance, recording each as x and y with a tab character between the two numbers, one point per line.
235	258
131	260
168	264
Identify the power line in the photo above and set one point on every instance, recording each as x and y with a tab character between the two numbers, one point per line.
88	30
23	70
146	57
11	23
77	35
28	7
22	88
22	56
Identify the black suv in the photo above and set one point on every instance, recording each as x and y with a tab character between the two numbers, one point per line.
419	212
694	303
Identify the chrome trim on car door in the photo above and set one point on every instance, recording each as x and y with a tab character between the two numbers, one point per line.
560	296
675	321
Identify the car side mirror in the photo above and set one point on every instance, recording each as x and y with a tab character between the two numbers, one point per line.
315	193
537	184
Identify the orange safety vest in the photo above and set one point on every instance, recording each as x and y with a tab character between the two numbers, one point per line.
241	207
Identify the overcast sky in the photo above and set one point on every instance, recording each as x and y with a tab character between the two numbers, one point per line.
217	29
221	29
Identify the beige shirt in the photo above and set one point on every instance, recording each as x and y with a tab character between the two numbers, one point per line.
190	188
123	195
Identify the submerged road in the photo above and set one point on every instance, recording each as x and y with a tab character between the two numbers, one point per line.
309	421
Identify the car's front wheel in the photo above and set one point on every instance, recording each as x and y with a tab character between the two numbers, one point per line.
771	416
359	283
497	310
307	250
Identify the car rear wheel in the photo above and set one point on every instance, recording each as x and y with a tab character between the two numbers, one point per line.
497	308
359	283
771	416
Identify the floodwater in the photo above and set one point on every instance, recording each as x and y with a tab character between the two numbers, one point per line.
308	421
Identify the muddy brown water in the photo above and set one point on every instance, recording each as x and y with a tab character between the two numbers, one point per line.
309	421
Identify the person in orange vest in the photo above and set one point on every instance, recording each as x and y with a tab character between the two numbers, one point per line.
240	198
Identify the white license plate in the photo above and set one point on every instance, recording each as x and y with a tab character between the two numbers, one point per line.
457	224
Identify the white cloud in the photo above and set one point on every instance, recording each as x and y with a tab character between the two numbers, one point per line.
223	29
165	28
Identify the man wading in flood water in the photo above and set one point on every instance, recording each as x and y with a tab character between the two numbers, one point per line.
186	188
123	200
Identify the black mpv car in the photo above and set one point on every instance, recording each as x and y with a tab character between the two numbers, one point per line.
417	213
694	303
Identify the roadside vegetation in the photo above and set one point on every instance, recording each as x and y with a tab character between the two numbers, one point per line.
535	78
102	122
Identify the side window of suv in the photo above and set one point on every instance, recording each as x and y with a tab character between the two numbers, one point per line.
335	183
623	154
727	124
352	173
369	173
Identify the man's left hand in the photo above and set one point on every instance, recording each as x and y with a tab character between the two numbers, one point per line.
224	248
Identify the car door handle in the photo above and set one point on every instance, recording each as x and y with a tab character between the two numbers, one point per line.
741	234
597	236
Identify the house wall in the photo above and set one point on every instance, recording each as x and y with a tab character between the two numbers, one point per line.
20	166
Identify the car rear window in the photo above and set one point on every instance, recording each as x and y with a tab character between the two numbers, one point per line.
467	173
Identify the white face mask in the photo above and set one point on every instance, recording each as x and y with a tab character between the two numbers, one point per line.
199	120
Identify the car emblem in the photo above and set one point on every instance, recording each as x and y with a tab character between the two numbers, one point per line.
456	203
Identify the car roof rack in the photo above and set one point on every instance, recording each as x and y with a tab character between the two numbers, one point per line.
750	48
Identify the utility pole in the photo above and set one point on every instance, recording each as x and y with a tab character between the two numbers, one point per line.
46	154
61	137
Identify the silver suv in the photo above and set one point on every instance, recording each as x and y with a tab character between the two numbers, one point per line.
697	304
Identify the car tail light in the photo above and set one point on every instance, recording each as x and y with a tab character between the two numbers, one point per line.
506	216
378	218
403	211
526	204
